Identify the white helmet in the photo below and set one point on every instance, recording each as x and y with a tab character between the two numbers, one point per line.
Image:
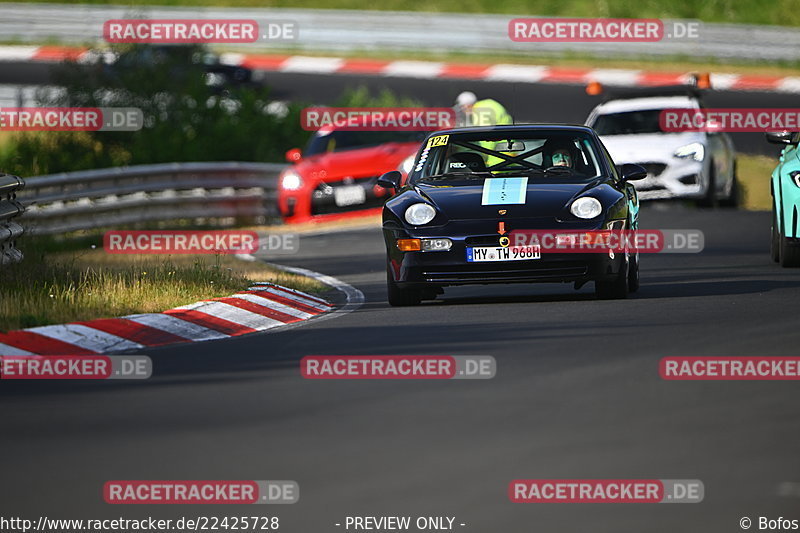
466	98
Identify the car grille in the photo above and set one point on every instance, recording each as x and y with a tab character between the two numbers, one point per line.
483	240
654	169
489	273
650	183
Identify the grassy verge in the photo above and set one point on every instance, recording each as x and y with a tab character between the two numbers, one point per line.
53	286
754	175
779	12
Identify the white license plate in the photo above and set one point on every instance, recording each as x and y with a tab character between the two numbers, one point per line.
349	195
483	254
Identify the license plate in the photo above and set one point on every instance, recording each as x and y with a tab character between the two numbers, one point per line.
349	195
483	254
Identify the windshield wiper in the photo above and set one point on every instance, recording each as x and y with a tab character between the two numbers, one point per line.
448	175
558	170
549	170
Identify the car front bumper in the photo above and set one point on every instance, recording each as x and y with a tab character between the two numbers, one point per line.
446	268
671	178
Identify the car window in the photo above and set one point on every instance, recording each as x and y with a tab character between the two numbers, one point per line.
610	162
537	154
341	140
628	123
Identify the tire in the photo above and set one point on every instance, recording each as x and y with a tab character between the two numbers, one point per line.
616	289
775	240
710	198
790	253
633	274
400	297
735	196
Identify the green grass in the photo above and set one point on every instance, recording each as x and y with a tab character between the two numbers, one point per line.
776	12
57	283
754	175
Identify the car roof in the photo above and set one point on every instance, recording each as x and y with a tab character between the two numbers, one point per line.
516	128
653	102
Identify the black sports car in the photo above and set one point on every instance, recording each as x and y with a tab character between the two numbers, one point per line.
470	189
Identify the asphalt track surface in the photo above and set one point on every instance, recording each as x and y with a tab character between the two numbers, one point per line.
525	101
577	395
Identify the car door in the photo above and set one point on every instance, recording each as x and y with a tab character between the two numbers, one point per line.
785	188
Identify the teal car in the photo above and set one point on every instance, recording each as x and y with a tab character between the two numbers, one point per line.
785	188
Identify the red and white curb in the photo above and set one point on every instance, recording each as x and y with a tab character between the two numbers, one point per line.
440	70
263	306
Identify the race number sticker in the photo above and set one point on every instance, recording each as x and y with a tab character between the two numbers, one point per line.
439	140
498	191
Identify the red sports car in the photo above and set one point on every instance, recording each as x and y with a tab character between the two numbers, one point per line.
337	171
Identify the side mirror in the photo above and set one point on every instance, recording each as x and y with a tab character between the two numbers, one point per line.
390	180
294	155
631	172
780	137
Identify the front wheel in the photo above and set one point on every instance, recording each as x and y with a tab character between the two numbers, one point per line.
616	289
790	253
399	297
735	196
633	274
710	197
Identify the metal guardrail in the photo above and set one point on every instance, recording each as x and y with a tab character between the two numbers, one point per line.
9	208
199	193
26	95
335	30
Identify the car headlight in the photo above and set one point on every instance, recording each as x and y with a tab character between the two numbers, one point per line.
694	150
419	214
291	181
586	207
407	164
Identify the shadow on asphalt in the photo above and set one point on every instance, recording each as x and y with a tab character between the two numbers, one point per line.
233	360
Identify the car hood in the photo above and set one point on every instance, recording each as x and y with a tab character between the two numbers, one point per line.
359	162
465	202
644	148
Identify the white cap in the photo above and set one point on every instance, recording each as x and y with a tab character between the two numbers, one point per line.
466	98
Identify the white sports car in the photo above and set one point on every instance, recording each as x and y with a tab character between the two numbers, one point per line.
694	165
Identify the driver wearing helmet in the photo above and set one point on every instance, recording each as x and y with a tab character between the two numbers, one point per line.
558	153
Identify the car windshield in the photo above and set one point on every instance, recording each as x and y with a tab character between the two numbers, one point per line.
628	123
341	140
463	158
